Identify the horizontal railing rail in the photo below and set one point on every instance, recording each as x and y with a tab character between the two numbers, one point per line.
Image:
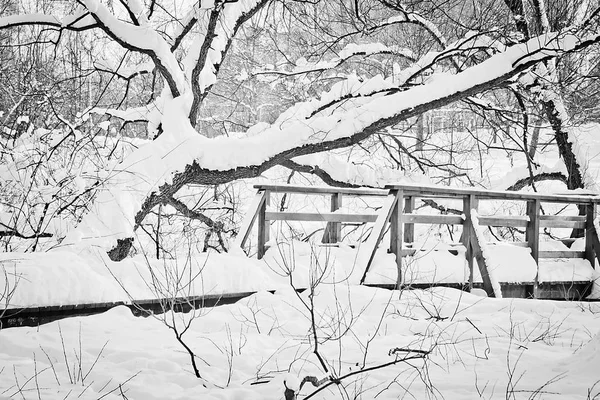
450	192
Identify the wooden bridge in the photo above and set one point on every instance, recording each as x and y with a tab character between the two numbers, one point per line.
397	215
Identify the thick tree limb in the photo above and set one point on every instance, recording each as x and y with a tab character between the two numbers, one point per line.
143	40
544	176
195	173
212	43
75	22
317	171
192	214
565	147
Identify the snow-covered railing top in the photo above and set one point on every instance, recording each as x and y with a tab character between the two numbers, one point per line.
575	197
572	197
322	190
397	211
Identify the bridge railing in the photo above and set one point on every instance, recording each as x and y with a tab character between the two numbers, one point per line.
398	211
259	215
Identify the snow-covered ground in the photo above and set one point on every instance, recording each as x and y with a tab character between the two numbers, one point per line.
479	348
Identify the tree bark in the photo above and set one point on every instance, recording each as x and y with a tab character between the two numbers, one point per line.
565	147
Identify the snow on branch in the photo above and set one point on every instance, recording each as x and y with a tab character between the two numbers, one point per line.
349	51
136	11
142	39
219	23
470	44
185	26
335	171
405	16
417	19
78	21
354	87
133	114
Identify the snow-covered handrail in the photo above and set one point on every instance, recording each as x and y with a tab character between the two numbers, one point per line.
575	197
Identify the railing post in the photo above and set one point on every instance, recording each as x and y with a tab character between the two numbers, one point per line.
249	219
396	235
368	249
590	231
263	226
409	229
532	235
469	203
333	230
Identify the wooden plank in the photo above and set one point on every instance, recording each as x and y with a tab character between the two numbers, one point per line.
478	254
444	191
263	226
580	218
409	252
590	230
595	243
570	290
518	244
557	223
396	235
409	229
248	223
412	252
503	220
532	235
561	254
329	217
367	251
469	203
441	219
323	190
333	230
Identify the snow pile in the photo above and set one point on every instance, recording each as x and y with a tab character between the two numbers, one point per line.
565	270
54	278
587	358
509	263
57	278
441	264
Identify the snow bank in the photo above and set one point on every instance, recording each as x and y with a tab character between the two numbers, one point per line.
564	270
266	338
59	278
53	279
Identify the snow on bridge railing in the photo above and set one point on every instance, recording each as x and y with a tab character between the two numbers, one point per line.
397	210
449	192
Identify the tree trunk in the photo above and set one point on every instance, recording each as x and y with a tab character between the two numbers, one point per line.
533	142
565	147
420	132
